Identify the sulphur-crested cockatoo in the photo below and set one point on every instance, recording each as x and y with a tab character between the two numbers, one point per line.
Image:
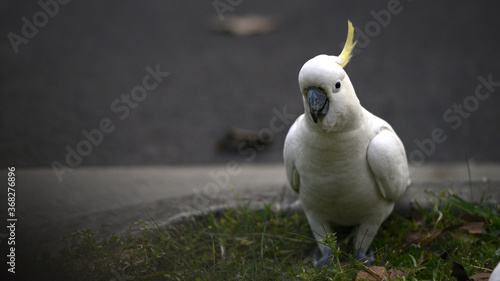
348	165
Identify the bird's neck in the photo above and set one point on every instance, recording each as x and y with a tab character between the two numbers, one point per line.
340	141
349	121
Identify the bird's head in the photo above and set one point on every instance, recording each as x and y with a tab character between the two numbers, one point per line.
330	102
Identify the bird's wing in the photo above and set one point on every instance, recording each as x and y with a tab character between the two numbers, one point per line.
387	160
289	156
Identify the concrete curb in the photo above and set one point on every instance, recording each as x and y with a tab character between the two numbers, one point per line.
110	199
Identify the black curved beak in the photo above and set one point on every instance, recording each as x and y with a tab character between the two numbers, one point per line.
318	103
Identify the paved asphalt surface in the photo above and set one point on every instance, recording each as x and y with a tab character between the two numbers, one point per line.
418	66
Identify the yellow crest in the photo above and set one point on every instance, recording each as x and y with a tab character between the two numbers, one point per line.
349	45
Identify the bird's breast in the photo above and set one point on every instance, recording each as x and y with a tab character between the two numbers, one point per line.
336	181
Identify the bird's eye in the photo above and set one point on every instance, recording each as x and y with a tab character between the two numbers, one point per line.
337	86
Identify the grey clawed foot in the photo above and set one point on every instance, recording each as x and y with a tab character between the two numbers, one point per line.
366	257
325	258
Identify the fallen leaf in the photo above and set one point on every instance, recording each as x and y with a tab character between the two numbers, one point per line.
482	276
426	238
415	238
432	236
473	227
246	25
373	273
393	273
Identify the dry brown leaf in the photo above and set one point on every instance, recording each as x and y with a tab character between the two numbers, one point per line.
394	273
373	273
482	276
426	238
414	238
473	227
433	235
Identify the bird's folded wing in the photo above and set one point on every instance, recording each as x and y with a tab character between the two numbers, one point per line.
289	155
387	160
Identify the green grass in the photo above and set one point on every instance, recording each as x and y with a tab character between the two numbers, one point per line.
245	244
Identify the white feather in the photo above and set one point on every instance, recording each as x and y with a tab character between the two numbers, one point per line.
495	275
387	159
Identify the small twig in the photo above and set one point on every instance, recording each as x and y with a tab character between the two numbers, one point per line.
372	272
361	243
481	268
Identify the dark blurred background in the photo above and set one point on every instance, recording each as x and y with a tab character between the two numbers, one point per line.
414	68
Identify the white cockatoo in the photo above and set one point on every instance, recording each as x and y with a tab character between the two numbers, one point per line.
348	165
495	275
